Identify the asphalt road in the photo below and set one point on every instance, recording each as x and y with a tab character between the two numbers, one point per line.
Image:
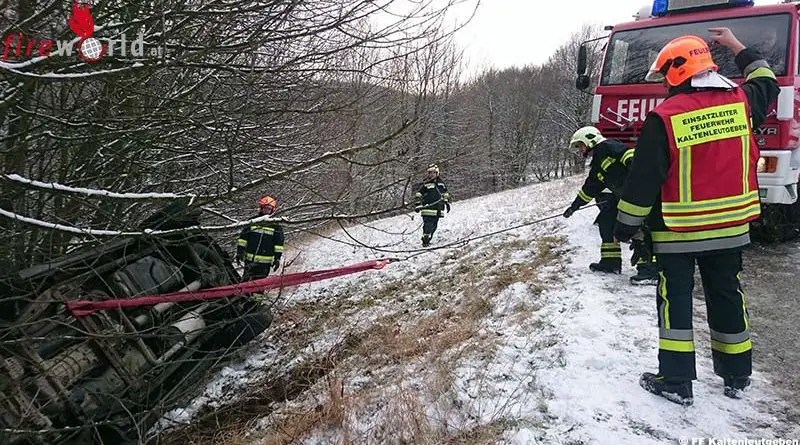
771	281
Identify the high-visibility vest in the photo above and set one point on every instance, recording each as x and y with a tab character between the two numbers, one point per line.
711	181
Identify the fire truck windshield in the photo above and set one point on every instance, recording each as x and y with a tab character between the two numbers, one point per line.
630	53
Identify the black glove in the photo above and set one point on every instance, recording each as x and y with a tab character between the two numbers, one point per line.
624	232
447	206
276	265
640	252
570	210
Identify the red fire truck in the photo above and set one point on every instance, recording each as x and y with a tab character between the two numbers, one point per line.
622	98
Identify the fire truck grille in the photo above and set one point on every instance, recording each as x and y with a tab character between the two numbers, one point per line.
628	136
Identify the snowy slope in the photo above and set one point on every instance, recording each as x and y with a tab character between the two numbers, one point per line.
507	339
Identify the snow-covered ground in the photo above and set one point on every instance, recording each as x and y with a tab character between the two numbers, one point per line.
505	339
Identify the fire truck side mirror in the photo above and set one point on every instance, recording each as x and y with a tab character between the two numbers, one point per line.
581	60
582	82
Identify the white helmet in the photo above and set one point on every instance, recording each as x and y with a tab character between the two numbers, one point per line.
588	135
433	168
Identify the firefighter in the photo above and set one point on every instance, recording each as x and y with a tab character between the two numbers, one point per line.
609	168
694	181
260	245
431	199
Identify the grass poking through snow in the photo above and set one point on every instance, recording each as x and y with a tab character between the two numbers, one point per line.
405	361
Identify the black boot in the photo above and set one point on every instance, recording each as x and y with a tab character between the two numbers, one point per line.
646	275
735	386
607	265
426	240
676	392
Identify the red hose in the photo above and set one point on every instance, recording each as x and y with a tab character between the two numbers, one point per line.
80	308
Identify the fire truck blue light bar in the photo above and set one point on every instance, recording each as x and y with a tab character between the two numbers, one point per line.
664	7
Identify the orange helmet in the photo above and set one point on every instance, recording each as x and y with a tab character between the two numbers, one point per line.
268	201
681	59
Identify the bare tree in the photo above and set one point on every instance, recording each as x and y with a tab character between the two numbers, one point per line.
571	108
192	105
517	121
220	101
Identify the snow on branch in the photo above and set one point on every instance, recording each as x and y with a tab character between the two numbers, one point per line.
52	75
100	232
59	227
13	66
151	232
92	192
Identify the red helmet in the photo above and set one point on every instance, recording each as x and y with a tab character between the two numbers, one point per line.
268	203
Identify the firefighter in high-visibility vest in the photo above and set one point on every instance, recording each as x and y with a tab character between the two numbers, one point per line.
694	180
431	199
609	168
260	245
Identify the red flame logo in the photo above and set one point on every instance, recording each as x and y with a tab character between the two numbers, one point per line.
81	23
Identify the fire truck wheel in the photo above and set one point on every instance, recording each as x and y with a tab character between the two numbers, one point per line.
778	223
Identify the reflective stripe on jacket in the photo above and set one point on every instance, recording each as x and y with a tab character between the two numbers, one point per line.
261	243
711	190
608	169
706	199
432	196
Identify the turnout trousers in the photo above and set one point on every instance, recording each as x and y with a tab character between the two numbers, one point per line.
429	224
609	248
254	271
731	348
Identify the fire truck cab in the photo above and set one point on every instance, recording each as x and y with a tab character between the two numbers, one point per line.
622	98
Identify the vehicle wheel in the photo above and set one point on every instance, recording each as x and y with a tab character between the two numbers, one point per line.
778	223
241	331
118	434
186	382
233	335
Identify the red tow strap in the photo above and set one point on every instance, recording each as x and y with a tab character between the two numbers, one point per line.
80	308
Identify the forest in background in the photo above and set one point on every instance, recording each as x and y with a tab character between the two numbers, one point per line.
334	106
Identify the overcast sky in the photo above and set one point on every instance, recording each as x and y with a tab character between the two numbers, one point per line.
519	32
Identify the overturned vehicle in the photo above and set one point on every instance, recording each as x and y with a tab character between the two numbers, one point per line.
107	377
